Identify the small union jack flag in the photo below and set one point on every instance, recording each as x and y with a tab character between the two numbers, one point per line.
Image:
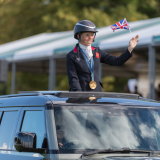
123	24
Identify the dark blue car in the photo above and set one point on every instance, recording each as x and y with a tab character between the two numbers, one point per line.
78	125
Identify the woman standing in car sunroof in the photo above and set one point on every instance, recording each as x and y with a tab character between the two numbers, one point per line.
84	60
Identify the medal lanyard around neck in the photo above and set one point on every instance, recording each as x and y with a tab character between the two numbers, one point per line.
90	66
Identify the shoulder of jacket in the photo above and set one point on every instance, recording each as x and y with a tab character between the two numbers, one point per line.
94	48
71	54
97	49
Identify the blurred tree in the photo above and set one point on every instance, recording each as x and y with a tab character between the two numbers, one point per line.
31	81
108	83
151	8
119	9
112	84
23	18
25	82
5	88
20	18
62	83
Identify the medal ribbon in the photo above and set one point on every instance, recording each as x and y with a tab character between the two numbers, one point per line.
90	66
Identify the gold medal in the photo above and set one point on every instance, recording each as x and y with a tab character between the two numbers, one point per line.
92	84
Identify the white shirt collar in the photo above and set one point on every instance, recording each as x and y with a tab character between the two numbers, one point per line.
87	50
84	47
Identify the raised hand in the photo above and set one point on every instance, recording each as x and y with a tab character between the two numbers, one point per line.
132	43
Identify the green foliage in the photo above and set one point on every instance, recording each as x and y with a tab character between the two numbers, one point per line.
23	18
31	81
108	83
25	82
5	88
149	7
119	9
112	84
19	19
62	83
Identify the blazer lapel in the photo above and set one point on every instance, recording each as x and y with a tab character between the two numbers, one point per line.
94	53
81	55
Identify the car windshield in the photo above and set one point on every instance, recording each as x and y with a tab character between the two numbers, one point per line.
110	126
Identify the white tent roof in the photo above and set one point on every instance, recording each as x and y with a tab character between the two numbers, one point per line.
44	50
8	49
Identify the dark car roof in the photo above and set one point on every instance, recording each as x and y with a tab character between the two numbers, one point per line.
41	98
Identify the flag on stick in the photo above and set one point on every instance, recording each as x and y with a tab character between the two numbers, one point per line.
123	24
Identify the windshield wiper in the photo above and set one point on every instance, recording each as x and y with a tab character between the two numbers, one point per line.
123	150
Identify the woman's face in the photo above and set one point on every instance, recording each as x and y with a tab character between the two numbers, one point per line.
86	38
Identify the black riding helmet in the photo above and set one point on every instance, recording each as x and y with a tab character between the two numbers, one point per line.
84	26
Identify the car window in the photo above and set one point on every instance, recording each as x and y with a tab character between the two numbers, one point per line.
103	127
8	120
34	122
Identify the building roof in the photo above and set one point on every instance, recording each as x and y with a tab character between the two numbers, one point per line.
8	50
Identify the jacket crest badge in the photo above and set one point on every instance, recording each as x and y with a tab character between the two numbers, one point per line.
97	54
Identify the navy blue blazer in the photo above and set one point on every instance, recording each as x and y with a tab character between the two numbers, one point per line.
79	74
